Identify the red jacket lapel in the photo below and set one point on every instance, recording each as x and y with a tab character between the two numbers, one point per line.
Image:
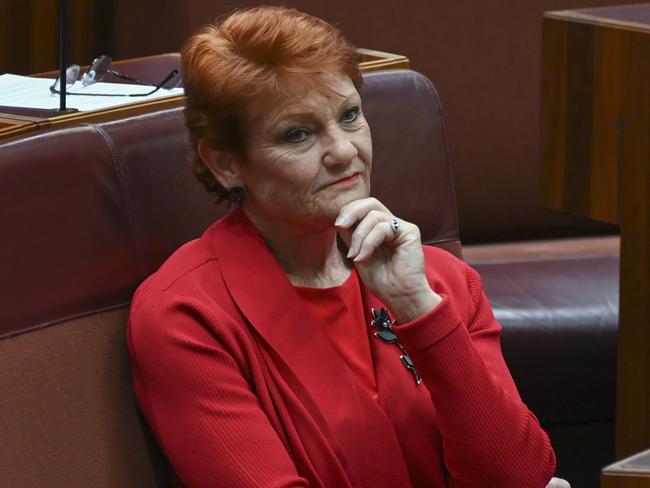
267	299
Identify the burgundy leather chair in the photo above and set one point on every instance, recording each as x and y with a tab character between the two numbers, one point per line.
88	212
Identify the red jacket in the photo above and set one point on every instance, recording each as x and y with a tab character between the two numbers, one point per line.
241	387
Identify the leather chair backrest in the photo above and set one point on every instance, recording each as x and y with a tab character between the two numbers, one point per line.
87	213
69	265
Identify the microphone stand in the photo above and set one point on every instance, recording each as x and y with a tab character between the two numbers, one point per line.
63	49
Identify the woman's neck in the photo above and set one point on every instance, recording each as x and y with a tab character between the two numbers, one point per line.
310	257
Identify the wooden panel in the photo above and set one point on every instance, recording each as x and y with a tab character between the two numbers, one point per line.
606	121
29	33
622	17
625	481
596	163
371	60
633	472
553	113
580	115
10	127
633	407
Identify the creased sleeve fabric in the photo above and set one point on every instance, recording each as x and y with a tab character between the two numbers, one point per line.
198	401
490	438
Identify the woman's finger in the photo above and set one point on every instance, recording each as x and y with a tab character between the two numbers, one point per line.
381	233
368	222
355	211
558	483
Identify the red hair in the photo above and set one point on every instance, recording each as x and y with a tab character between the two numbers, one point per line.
246	59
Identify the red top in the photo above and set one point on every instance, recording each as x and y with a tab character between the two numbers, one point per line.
241	386
340	310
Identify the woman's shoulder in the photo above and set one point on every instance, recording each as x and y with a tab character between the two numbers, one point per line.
186	297
179	270
191	274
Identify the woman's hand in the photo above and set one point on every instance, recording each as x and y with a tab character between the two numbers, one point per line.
389	262
558	483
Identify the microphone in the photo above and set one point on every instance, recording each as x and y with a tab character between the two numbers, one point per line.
63	50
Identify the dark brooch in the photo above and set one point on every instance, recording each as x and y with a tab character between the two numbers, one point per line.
382	321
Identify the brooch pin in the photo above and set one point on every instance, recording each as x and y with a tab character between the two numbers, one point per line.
382	321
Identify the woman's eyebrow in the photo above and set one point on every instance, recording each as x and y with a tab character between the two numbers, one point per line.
284	117
302	113
352	97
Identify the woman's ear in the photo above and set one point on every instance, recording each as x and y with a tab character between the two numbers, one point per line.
224	164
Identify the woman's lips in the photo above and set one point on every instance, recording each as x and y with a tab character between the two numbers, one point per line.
348	179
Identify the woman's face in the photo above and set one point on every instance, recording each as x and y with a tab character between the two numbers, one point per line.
308	154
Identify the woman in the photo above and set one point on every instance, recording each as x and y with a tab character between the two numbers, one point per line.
253	358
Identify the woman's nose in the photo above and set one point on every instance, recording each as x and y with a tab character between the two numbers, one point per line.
339	149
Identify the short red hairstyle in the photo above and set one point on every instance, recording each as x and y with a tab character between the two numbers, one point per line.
245	59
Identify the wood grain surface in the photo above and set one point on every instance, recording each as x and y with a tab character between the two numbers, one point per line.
633	472
596	163
29	33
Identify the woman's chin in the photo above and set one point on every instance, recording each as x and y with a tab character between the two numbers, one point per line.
352	194
341	201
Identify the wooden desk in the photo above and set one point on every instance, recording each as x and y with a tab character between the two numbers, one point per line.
596	163
633	472
15	121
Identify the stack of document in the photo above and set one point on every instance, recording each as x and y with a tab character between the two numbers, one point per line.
28	92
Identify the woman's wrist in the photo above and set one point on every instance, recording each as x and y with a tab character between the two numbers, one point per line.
411	306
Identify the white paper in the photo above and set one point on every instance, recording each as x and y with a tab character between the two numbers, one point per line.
28	92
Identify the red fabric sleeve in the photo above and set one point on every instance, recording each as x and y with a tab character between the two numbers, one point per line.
199	404
490	438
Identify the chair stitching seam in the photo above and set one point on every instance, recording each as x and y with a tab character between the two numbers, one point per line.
126	198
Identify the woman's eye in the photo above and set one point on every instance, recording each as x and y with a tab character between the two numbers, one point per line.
296	135
350	115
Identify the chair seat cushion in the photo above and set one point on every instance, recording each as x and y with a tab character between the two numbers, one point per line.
560	319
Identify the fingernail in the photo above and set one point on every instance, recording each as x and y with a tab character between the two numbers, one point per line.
350	253
340	221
